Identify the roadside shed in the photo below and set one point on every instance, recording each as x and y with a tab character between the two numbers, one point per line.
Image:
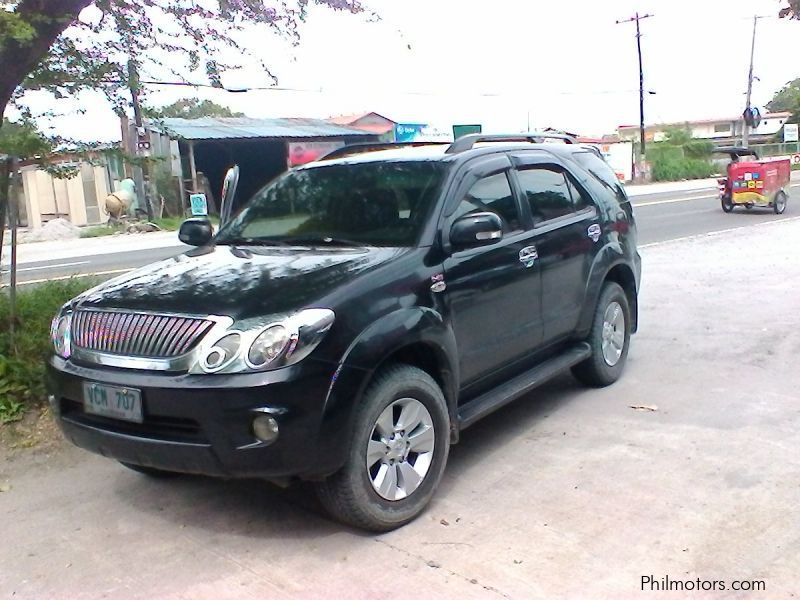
263	148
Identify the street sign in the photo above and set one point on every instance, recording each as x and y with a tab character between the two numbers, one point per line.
796	159
199	205
790	132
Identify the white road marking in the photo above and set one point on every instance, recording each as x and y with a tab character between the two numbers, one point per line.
98	273
70	264
671	200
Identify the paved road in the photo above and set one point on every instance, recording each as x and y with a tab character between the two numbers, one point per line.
661	217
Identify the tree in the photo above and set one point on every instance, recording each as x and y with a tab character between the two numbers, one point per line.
787	99
44	45
192	108
792	11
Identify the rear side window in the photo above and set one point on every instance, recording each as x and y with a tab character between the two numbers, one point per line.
492	194
604	174
547	192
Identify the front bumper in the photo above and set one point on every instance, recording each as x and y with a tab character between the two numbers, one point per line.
202	423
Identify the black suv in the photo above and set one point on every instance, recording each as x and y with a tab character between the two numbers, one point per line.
354	318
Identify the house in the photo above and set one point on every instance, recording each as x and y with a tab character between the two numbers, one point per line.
726	130
370	122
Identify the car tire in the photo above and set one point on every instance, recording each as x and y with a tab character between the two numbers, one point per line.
149	471
779	206
609	339
378	488
727	205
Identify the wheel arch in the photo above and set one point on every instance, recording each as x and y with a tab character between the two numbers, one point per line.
621	273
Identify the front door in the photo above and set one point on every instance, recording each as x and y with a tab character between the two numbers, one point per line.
494	292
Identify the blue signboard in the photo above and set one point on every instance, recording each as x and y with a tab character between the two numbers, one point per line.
199	205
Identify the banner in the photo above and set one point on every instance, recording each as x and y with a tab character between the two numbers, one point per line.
421	132
301	153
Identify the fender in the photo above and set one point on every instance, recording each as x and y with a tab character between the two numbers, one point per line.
609	257
367	353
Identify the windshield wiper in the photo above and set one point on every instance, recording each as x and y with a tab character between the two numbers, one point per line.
322	240
245	241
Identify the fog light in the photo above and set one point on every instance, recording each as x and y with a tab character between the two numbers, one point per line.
265	429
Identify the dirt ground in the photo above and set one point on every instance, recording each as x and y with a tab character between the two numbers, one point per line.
567	493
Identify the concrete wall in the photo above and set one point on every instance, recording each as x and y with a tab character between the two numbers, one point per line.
78	199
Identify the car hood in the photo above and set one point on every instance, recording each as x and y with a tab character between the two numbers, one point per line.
237	281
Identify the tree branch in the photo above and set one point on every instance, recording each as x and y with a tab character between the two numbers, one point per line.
47	20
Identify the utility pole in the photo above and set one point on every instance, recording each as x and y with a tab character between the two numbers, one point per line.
746	129
636	18
133	85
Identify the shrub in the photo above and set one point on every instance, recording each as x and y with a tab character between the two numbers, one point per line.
22	367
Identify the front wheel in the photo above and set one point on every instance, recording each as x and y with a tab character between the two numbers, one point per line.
727	204
398	451
779	206
609	339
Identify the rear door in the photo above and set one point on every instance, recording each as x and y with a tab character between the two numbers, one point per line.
567	235
493	292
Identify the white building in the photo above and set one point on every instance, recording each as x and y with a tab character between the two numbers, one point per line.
725	130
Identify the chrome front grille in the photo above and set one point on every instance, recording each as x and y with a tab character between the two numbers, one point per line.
137	334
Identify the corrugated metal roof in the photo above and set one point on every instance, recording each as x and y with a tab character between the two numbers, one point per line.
229	128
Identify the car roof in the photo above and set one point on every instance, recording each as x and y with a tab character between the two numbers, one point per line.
438	152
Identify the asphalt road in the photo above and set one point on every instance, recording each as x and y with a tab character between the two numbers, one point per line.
660	217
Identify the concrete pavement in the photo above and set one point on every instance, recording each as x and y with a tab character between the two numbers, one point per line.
567	493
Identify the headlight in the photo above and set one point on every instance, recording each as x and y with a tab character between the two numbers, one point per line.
60	335
262	344
267	346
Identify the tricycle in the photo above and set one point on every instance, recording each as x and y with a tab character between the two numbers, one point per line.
751	182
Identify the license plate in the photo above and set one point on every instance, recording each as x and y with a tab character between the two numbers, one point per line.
112	401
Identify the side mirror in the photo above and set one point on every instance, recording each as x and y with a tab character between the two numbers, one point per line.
229	186
476	229
196	232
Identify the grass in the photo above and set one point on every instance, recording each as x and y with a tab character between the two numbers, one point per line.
165	224
22	365
99	231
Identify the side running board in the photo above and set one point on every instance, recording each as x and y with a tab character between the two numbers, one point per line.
489	402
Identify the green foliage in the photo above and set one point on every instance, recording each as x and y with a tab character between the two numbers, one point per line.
100	231
681	157
192	108
677	136
787	99
168	190
22	367
22	139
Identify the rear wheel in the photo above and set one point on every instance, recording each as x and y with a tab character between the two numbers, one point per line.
779	205
399	448
727	205
609	339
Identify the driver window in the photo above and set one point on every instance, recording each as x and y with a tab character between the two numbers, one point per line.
492	194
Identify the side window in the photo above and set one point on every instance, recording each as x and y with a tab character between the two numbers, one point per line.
600	170
547	192
579	199
492	194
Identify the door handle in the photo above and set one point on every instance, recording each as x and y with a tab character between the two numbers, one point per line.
528	256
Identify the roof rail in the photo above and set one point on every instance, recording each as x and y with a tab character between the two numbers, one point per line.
468	141
373	147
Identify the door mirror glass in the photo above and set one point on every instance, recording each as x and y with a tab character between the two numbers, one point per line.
196	232
476	229
228	193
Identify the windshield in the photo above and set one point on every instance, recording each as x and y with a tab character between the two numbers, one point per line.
374	204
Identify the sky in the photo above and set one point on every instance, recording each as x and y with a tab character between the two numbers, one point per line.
510	65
